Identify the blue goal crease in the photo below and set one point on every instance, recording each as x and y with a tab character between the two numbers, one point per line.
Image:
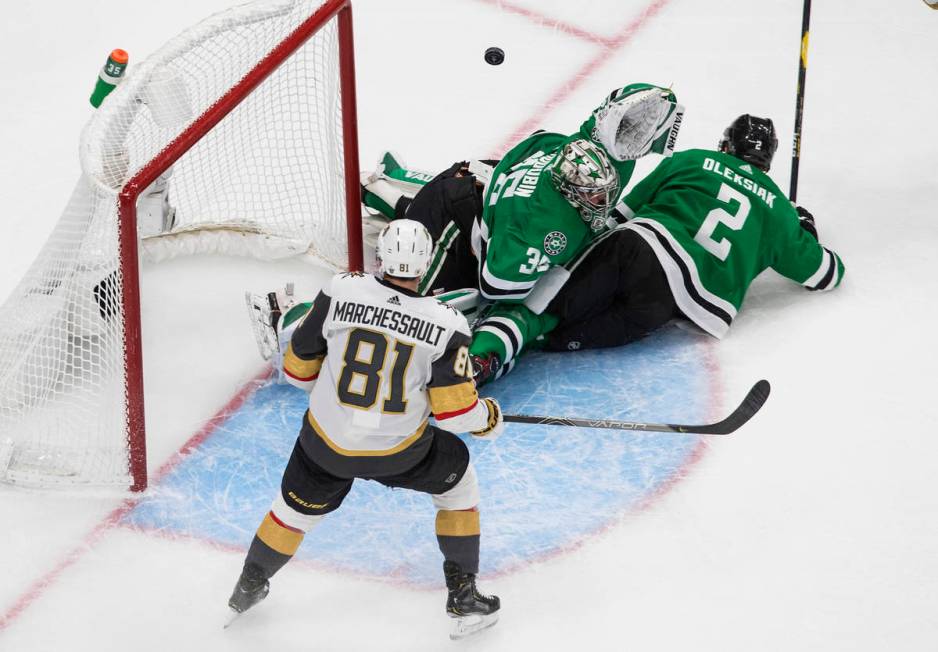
544	488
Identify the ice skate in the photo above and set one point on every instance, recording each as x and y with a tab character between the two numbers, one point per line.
472	612
252	587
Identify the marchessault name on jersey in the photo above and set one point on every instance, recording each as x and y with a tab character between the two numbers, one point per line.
351	312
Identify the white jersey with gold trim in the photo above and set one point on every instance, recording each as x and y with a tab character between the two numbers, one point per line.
379	359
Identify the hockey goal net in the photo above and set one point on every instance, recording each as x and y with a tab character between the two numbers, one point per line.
237	136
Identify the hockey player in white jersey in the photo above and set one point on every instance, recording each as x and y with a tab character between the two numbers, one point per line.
377	359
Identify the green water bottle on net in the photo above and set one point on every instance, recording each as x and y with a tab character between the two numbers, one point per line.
110	76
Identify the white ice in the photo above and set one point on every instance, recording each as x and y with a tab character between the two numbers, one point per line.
814	528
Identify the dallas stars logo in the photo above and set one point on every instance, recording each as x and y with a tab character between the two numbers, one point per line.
555	243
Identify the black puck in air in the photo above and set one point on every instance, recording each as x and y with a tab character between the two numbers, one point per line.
494	56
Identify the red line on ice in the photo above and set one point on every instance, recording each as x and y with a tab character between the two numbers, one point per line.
585	71
547	21
114	518
608	45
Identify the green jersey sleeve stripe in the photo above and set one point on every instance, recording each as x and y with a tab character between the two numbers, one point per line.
508	332
827	275
496	288
439	256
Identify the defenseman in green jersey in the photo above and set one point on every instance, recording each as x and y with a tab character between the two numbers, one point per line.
697	231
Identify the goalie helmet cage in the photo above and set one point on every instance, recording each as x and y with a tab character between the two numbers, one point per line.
240	136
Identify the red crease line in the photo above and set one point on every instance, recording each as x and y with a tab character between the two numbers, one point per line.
586	71
117	515
546	21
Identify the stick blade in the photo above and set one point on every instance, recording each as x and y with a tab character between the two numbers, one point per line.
753	402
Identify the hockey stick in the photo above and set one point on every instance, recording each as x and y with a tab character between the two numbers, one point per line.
750	405
799	102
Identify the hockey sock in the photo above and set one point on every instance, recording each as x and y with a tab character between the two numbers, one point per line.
508	330
274	545
457	532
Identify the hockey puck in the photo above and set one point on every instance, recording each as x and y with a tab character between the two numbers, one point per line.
494	56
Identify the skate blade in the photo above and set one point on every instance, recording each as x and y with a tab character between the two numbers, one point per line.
230	617
465	626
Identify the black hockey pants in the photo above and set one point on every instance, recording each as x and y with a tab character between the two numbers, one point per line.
447	206
617	293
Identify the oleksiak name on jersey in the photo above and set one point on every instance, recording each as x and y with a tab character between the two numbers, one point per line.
350	312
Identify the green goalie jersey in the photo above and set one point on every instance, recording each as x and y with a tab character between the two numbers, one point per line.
716	222
527	226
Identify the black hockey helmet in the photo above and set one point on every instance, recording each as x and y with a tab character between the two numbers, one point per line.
751	139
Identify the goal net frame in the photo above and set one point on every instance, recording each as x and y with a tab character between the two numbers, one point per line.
130	247
130	294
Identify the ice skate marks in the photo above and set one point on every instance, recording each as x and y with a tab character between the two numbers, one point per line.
544	490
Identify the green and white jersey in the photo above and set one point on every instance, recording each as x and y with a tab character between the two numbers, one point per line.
526	225
716	222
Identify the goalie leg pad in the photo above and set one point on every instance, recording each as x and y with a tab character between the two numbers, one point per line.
265	313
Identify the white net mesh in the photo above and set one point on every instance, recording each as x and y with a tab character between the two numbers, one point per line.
267	181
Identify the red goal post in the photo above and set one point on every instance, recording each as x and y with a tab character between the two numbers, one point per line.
242	133
130	296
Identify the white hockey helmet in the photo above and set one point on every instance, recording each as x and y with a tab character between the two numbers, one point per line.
404	248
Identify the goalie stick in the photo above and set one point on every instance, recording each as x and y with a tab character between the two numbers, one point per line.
754	400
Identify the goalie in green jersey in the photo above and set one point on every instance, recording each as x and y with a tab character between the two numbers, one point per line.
500	225
695	233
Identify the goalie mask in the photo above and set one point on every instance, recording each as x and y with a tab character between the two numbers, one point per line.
636	120
583	174
752	139
404	248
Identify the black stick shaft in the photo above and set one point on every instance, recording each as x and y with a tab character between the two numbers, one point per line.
753	402
799	102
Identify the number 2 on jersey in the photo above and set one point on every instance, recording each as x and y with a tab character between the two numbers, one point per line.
721	248
365	358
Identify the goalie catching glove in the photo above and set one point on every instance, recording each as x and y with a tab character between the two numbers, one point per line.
496	423
636	120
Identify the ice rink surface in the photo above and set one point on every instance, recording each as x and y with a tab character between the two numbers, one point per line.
815	527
